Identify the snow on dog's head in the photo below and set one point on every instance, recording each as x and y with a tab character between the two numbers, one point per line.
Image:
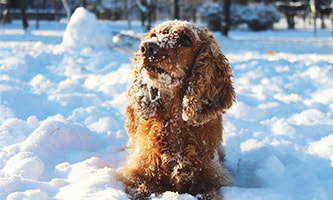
166	53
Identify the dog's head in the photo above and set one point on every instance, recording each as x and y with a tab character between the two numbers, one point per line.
177	55
166	53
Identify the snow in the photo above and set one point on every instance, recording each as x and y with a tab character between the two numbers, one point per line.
83	30
63	100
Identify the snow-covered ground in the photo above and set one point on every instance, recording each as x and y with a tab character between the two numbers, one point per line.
63	101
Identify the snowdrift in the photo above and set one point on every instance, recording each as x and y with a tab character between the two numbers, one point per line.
63	102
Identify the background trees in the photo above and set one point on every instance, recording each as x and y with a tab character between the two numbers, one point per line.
220	15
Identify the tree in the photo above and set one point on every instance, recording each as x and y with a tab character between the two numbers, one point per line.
194	10
175	9
84	3
67	9
4	10
226	20
37	14
146	8
24	15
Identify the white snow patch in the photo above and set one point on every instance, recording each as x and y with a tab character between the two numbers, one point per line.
311	117
83	30
279	126
63	104
322	148
26	165
251	144
28	194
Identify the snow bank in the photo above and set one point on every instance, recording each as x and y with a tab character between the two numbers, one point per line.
62	114
83	30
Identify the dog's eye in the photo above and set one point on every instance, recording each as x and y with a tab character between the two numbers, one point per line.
153	35
165	31
185	41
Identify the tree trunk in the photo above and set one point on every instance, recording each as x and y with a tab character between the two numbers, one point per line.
194	10
149	14
146	8
24	15
175	9
37	15
84	3
67	9
128	10
226	21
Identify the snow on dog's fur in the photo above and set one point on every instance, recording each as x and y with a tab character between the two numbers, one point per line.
181	86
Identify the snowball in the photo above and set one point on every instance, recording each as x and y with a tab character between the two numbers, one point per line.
32	121
25	164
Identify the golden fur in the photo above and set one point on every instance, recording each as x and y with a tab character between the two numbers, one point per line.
181	86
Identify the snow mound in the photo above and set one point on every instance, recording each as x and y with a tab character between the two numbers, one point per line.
55	136
62	112
322	148
91	179
25	164
84	30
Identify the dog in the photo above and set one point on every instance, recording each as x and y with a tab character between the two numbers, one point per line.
181	86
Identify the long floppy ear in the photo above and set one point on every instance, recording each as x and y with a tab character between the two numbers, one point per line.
209	90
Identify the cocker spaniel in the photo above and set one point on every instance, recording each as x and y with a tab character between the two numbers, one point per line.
181	86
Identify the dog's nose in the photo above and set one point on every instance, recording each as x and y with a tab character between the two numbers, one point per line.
149	49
